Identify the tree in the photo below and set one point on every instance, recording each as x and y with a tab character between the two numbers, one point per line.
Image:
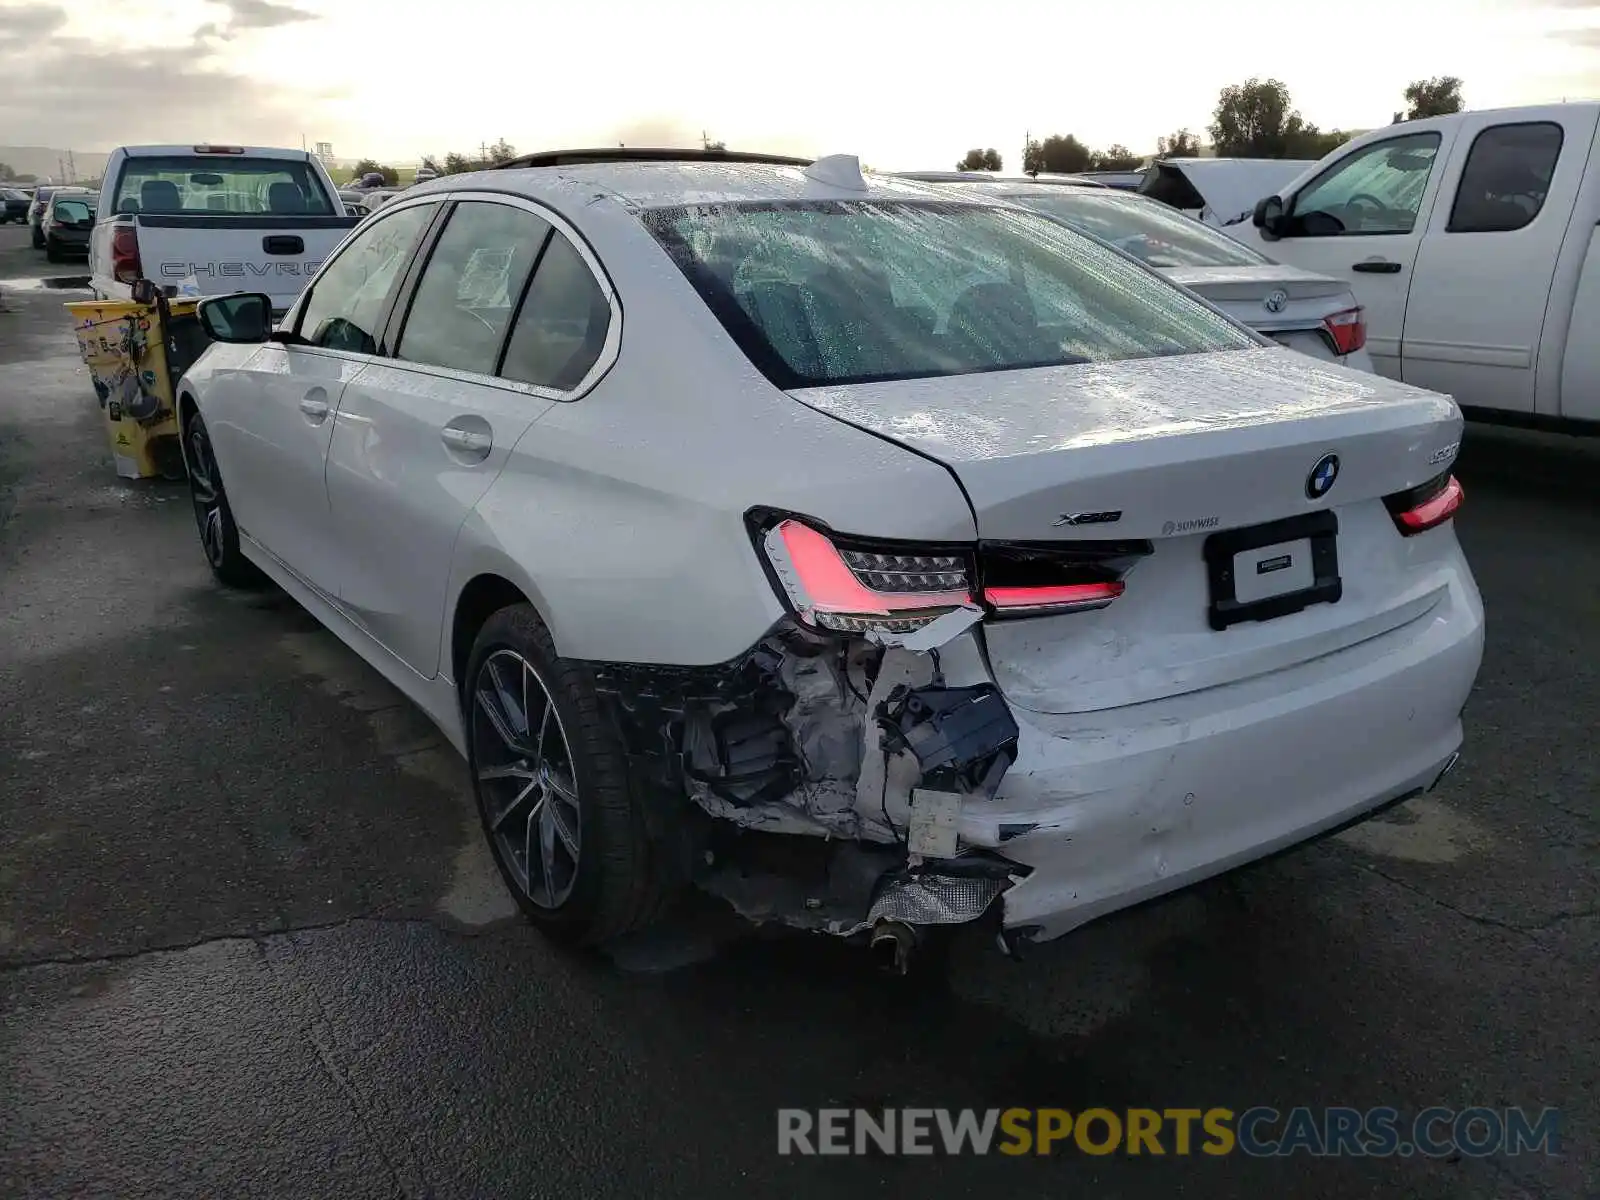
1311	142
1436	97
366	166
980	160
1117	158
7	171
432	164
1178	144
456	164
717	147
1255	119
1058	155
502	151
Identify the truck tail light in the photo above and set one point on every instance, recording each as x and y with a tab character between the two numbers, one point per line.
857	587
1347	330
1427	505
125	266
210	149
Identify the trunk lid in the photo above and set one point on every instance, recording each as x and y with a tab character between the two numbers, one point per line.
1176	450
1271	297
1213	441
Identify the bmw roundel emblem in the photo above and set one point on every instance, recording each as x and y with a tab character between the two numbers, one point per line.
1276	301
1322	477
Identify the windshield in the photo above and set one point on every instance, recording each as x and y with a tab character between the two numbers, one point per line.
1146	229
220	184
828	292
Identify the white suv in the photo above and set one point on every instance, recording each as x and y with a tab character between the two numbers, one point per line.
862	554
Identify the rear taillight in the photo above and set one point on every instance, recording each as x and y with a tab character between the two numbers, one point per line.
850	585
1064	597
125	266
855	588
1026	579
1427	505
1347	330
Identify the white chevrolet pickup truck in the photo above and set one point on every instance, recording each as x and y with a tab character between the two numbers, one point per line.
222	218
1470	241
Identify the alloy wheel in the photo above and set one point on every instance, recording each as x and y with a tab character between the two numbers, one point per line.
527	783
205	488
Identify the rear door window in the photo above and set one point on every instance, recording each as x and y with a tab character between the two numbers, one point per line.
475	275
826	292
562	327
1506	177
219	183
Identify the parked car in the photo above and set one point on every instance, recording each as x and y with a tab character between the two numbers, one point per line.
1217	191
1041	180
14	205
1311	313
714	503
1470	241
37	209
1127	181
67	224
226	217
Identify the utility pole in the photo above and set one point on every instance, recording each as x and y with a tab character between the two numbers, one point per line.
72	168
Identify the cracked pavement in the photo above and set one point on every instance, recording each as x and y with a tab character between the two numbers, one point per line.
251	943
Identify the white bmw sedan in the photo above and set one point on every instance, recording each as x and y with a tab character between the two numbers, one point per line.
874	558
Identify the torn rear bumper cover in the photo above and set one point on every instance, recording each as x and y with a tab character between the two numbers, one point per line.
831	737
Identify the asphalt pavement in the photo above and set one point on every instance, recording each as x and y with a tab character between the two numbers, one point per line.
251	943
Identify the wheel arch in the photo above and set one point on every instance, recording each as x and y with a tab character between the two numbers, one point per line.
188	409
485	583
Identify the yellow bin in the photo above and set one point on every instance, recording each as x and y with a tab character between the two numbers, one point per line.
125	346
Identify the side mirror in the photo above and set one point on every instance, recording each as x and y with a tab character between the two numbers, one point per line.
244	318
1268	215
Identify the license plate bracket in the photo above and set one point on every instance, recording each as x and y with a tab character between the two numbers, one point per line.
1221	550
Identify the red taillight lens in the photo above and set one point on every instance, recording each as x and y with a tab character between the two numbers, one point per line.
1063	597
860	590
1422	508
125	266
1348	329
850	585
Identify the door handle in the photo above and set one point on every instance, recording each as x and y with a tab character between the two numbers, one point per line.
1376	266
315	407
468	442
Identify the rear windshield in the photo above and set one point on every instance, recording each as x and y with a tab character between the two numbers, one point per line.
828	292
202	184
1146	229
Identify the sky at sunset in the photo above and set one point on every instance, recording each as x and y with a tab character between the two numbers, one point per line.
903	85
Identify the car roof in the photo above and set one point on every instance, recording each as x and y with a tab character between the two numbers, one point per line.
661	179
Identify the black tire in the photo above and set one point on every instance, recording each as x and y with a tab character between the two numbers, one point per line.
622	876
52	252
38	238
219	536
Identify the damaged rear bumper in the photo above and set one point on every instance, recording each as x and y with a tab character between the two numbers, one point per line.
916	795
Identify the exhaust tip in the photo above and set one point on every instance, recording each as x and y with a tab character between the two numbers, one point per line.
1449	765
892	944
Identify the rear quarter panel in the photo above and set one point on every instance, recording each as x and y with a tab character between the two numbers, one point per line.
621	514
